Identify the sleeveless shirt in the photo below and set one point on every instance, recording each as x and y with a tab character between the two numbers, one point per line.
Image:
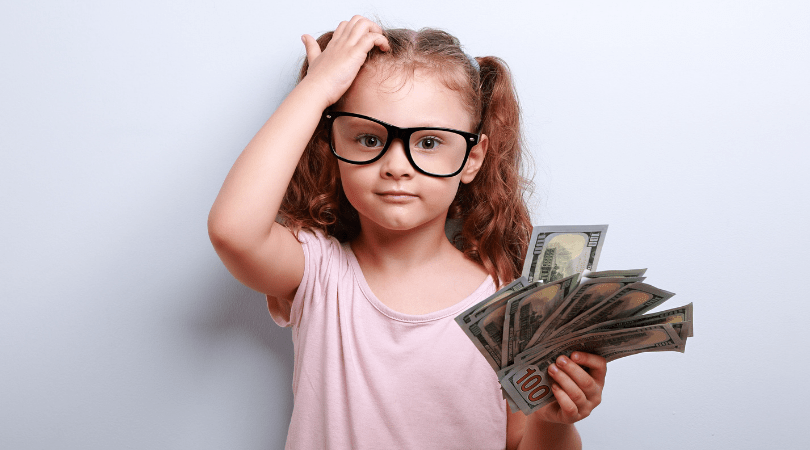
369	377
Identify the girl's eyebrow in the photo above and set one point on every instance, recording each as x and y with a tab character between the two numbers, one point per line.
431	123
419	123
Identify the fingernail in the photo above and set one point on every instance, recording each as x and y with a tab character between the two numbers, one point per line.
576	356
562	360
553	369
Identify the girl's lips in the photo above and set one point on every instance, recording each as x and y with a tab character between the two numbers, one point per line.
397	193
397	196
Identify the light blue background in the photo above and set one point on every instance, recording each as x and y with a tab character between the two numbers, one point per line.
685	125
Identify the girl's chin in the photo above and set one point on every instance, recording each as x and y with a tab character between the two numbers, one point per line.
404	224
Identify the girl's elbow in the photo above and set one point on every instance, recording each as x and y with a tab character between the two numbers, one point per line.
217	231
224	235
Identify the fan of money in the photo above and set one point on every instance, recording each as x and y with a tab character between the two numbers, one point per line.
552	310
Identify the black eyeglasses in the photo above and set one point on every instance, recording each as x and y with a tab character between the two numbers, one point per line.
358	139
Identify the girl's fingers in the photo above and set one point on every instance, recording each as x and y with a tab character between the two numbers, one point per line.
357	31
559	372
577	390
345	27
335	68
376	40
362	22
361	28
341	28
312	47
584	382
356	18
567	408
596	364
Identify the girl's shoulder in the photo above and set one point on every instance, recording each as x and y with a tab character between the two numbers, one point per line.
320	251
318	246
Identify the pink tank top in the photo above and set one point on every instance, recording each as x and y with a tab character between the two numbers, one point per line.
369	377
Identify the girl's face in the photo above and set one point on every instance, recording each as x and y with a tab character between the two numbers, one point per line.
389	194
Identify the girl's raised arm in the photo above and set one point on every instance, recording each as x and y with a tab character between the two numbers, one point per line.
256	250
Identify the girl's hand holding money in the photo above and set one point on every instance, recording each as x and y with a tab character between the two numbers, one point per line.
577	386
577	390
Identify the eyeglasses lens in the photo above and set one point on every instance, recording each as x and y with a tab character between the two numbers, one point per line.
434	151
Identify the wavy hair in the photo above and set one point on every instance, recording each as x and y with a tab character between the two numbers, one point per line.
494	224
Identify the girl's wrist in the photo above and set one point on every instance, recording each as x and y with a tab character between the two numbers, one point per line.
550	434
540	421
314	93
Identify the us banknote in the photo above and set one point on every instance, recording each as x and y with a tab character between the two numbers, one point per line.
528	384
547	312
588	294
524	314
510	288
483	322
616	273
556	252
631	300
680	318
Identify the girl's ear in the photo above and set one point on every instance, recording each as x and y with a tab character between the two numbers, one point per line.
475	160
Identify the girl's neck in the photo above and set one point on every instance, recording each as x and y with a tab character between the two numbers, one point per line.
402	250
416	271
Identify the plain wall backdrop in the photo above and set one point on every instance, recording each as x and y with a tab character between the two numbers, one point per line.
685	125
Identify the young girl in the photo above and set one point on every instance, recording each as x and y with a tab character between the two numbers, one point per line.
387	136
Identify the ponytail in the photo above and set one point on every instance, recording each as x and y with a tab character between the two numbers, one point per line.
496	223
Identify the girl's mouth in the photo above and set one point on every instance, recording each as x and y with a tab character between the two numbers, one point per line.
397	196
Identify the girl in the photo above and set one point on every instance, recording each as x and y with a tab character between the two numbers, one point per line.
387	135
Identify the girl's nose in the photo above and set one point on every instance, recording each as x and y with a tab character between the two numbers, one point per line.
394	163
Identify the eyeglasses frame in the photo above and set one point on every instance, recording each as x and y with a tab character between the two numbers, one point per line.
403	134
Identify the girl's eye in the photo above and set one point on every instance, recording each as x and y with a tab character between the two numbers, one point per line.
428	143
369	141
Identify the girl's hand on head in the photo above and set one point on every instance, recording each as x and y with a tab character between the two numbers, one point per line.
577	391
334	69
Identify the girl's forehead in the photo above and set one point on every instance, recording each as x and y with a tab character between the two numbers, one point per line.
407	99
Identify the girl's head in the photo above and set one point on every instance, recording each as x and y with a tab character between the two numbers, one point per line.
488	204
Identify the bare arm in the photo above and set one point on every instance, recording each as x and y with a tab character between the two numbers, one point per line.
577	391
256	250
529	433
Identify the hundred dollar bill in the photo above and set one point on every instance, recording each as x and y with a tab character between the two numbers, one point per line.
475	333
621	353
525	312
467	316
615	273
556	252
674	317
519	285
484	324
632	300
588	294
529	385
680	318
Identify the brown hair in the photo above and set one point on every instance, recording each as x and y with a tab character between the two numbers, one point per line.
495	223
